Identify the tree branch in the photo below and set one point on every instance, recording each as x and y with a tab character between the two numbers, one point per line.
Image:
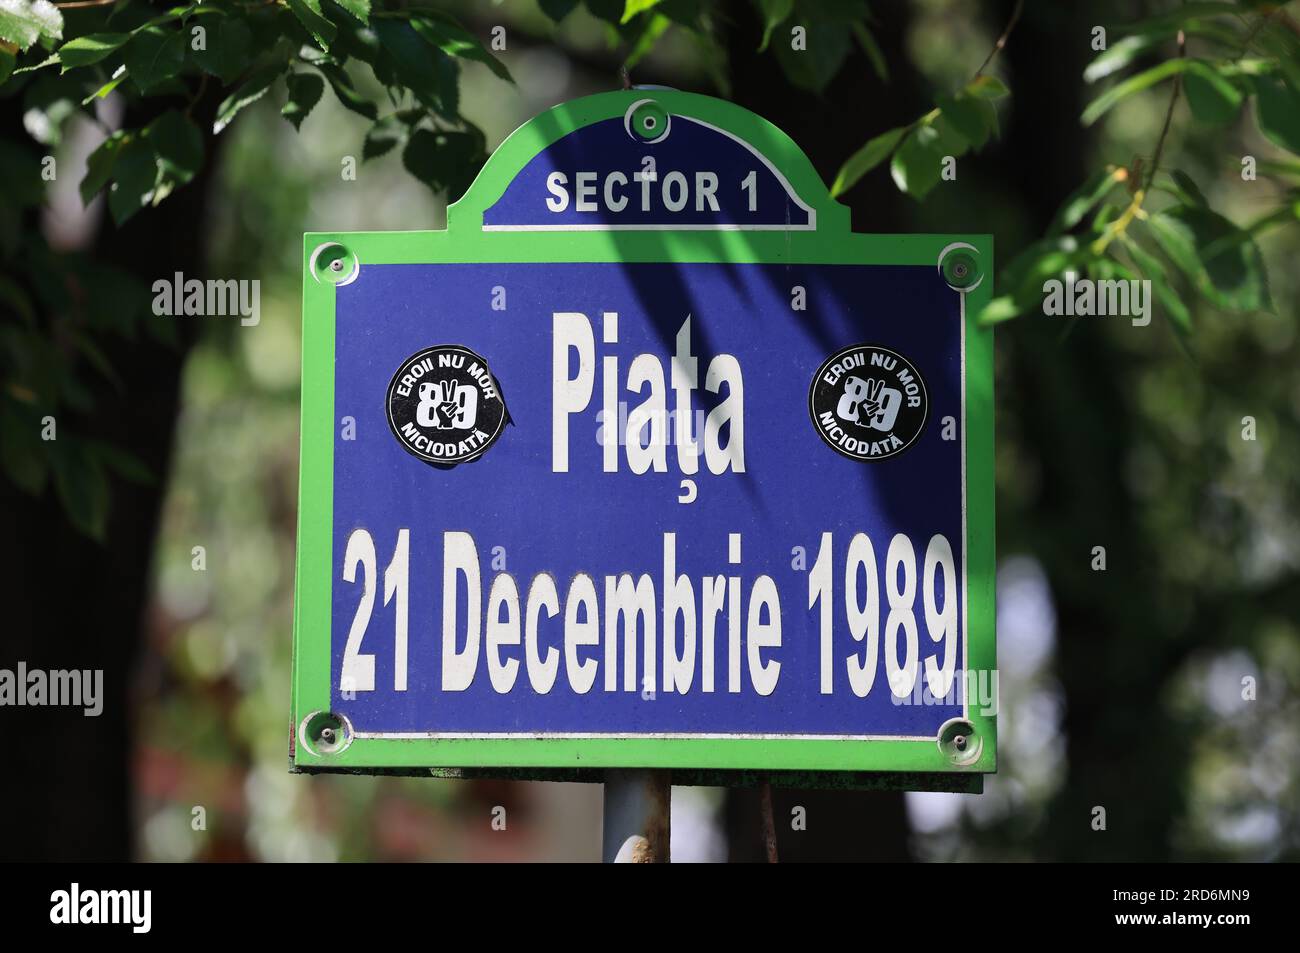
1169	113
1002	40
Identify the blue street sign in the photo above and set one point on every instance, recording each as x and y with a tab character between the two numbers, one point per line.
647	461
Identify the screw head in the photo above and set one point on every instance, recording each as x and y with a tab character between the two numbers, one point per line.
647	121
327	735
336	264
960	268
960	742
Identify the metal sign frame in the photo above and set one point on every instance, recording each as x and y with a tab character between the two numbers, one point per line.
333	258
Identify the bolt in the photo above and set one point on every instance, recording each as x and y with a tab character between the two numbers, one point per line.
959	742
336	264
327	735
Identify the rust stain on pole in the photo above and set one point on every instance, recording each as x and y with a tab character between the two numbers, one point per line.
658	831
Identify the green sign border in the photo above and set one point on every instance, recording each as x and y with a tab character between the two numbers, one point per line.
464	240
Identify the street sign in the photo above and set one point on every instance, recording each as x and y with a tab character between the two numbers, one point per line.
647	460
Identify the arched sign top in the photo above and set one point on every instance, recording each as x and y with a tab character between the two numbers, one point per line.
648	160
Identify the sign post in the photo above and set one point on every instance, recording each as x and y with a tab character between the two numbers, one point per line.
637	823
647	461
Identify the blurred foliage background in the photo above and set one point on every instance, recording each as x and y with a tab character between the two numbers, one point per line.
1121	688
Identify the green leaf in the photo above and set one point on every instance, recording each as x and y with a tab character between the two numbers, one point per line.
48	61
253	89
135	176
116	80
1222	260
305	90
951	142
812	69
346	92
634	8
47	106
1277	108
1189	193
1281	168
99	166
1134	84
22	452
362	43
455	40
360	9
969	116
27	22
999	309
7	63
1123	52
383	137
876	151
1023	278
82	486
1105	215
444	160
178	144
872	49
1284	45
917	163
1176	241
227	50
154	55
1155	272
1211	98
654	28
310	16
85	50
410	59
987	87
1084	199
1284	214
1046	258
774	13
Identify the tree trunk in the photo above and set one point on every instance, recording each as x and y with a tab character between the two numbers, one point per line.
1071	402
74	604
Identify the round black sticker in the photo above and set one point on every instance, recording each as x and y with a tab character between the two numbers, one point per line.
868	402
444	405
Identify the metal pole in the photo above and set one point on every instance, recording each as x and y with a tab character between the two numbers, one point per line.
637	821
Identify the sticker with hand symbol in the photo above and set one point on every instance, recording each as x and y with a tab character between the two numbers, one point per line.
444	405
868	402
